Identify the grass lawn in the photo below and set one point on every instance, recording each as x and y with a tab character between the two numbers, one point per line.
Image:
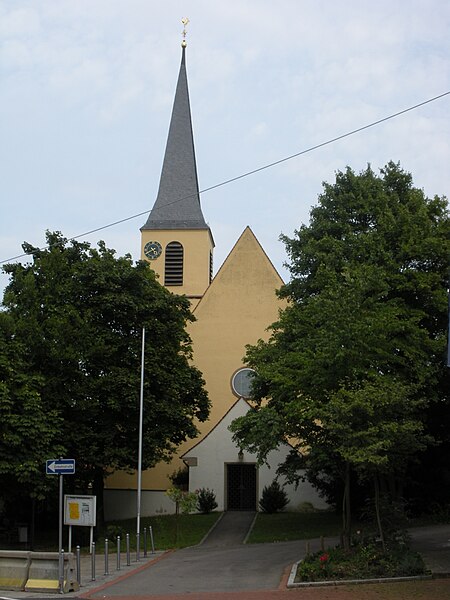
191	529
286	526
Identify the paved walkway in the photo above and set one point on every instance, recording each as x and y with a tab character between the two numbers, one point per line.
227	566
223	568
433	543
230	530
222	563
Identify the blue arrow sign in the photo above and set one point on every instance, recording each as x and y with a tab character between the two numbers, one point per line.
60	466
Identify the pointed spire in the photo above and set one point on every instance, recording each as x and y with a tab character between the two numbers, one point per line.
177	205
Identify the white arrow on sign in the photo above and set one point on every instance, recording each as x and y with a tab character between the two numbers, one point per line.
63	466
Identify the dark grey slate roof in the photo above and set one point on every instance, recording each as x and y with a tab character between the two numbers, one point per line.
177	205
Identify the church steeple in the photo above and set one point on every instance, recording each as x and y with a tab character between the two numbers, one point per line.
176	238
177	205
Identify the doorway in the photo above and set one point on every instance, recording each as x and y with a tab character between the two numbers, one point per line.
241	487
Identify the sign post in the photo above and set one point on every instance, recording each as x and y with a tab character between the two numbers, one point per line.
60	467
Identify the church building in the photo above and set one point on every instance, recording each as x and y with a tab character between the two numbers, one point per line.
232	309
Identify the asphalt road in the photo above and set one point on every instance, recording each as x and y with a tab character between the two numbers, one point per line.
221	563
202	569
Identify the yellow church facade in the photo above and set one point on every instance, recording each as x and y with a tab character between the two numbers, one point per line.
232	309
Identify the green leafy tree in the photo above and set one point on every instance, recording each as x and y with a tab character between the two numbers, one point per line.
375	430
28	432
78	313
185	502
365	329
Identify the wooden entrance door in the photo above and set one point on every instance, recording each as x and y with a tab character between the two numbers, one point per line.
241	487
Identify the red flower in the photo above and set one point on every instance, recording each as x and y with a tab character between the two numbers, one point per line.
324	558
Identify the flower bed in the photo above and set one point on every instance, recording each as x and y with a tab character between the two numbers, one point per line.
363	561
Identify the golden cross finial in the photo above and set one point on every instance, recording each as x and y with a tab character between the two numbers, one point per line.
185	21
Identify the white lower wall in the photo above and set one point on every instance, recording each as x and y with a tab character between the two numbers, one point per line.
122	504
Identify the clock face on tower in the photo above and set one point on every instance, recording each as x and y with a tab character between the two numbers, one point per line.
152	250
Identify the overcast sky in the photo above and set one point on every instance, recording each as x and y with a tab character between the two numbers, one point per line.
87	88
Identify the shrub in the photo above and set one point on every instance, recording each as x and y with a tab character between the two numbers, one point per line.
439	513
306	507
393	515
273	498
180	478
114	531
206	501
184	501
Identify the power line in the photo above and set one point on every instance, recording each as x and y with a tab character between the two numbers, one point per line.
252	172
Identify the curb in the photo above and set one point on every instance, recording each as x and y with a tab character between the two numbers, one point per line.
250	529
213	526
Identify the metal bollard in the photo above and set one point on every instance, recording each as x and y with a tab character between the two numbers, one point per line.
61	571
118	552
151	539
93	561
106	556
78	555
138	547
145	542
128	550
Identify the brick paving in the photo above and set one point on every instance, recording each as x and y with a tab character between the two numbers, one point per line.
438	589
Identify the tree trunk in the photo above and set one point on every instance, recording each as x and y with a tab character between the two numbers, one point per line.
377	510
346	509
32	524
177	516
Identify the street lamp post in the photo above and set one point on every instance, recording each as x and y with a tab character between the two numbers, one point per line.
139	484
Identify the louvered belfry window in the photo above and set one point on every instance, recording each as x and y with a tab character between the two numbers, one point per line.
173	271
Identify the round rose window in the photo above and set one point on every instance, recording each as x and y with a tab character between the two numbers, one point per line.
241	382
